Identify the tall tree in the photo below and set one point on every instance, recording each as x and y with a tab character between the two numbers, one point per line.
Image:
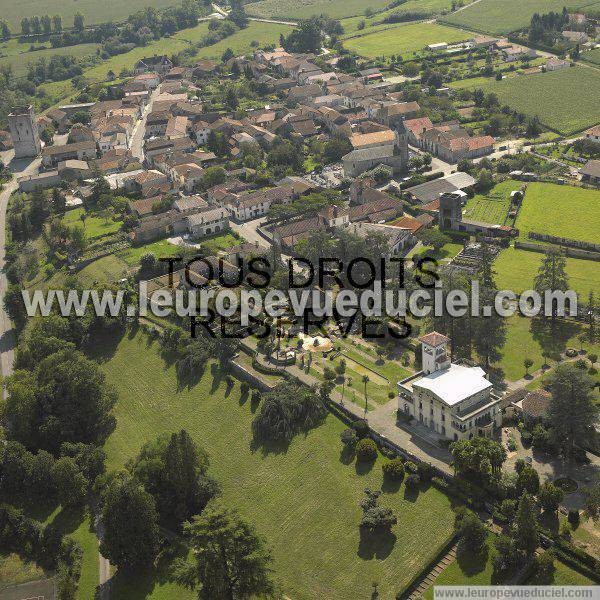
78	21
526	535
4	32
174	470
230	559
57	23
572	411
552	275
591	311
130	524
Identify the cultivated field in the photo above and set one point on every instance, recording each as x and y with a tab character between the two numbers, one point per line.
18	56
94	12
503	16
306	494
493	206
302	9
560	210
403	39
565	101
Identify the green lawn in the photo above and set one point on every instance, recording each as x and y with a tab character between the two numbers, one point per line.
103	271
493	206
303	9
550	96
241	42
503	16
592	56
404	39
93	12
516	270
467	569
160	248
20	59
95	226
563	575
560	210
304	500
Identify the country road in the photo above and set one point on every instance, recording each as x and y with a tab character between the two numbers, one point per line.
7	337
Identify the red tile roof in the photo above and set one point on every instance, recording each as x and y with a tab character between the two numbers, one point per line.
434	339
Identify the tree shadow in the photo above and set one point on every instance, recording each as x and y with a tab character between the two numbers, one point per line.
103	343
217	375
471	563
140	585
362	467
411	493
268	447
552	337
347	455
390	486
377	544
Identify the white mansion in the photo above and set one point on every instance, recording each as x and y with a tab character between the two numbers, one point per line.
452	399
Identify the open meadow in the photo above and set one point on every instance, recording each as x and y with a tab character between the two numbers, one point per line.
19	60
517	268
308	493
592	56
560	210
565	101
504	16
403	39
423	7
303	9
93	12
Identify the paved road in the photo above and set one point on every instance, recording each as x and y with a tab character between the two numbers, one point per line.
7	337
137	138
248	231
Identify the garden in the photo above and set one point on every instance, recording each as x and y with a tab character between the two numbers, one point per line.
307	487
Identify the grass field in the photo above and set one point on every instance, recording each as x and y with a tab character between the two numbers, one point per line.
161	248
516	270
20	60
94	226
103	271
241	42
404	39
302	9
350	24
563	575
503	16
468	569
109	10
493	206
592	56
306	494
560	210
550	96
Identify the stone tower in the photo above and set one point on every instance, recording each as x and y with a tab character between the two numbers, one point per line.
450	213
435	356
24	132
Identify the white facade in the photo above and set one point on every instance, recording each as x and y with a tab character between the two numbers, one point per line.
454	400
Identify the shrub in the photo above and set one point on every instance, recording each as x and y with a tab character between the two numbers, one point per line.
244	388
349	438
565	531
425	471
410	466
393	469
526	437
366	450
573	518
361	427
544	565
413	481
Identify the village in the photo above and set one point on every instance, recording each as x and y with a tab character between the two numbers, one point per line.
178	176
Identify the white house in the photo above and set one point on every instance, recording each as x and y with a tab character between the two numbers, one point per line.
454	400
